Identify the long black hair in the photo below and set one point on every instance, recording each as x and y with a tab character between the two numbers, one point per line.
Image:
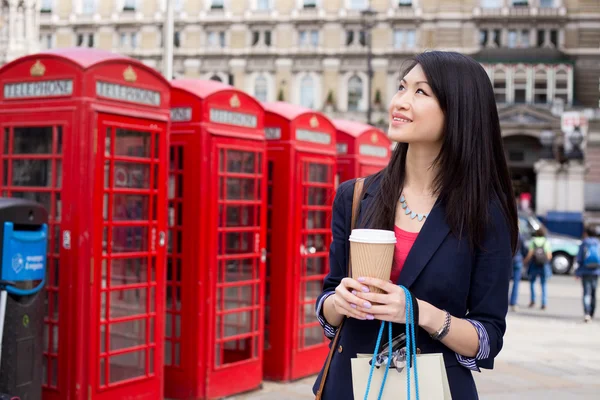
471	165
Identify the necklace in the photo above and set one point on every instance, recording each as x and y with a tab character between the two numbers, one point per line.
409	212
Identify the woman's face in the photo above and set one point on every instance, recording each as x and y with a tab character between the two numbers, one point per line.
415	114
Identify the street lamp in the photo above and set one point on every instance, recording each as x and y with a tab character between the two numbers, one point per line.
547	141
368	22
576	139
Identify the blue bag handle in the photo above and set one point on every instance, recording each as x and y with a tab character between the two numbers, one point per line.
411	350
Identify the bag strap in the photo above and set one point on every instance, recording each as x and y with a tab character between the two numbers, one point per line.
358	187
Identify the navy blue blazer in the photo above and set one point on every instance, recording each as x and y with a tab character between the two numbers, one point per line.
440	269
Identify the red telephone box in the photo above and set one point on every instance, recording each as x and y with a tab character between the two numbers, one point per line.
362	149
301	167
84	132
217	220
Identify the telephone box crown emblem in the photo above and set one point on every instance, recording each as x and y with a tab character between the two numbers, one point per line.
314	122
129	74
234	101
38	69
374	138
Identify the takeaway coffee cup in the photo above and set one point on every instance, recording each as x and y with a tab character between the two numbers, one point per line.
372	253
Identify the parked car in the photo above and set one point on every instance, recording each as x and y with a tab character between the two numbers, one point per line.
564	248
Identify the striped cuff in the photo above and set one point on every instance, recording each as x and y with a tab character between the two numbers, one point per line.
330	330
484	348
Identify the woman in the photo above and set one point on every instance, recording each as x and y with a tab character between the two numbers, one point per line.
538	258
455	254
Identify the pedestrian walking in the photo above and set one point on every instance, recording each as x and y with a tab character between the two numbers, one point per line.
588	259
447	195
538	258
517	273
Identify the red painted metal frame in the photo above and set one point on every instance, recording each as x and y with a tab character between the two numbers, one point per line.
221	319
291	316
351	161
75	274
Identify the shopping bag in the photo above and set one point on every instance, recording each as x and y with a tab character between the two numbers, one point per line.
383	376
432	378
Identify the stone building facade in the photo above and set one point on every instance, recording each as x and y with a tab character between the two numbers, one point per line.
543	56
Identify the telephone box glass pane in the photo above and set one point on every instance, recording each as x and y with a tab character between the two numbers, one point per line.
238	232
32	169
174	262
130	232
317	181
36	140
131	143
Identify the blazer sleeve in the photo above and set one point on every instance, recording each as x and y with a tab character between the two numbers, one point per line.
488	299
338	250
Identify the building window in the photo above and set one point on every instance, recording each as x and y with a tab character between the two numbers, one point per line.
352	36
89	7
500	86
358	4
307	92
261	88
262	5
497	35
547	4
129	5
308	38
46	6
178	6
554	37
256	35
561	85
85	40
216	39
540	88
518	38
217	5
520	86
405	3
216	78
177	39
404	39
48	40
128	40
519	3
483	37
355	93
491	3
310	3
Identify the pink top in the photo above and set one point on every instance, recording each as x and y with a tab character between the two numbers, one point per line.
404	242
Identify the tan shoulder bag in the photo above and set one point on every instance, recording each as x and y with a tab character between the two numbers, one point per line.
358	187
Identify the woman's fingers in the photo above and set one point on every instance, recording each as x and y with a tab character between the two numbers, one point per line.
343	307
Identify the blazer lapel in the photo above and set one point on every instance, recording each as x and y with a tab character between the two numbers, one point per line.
431	236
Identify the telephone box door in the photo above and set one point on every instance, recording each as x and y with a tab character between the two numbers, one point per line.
316	191
238	272
129	282
33	166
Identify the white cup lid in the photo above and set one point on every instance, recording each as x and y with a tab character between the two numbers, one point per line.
378	236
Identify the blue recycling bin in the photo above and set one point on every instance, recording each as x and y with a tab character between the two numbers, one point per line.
24	241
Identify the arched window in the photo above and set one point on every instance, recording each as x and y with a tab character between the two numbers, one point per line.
520	86
355	93
540	89
500	86
307	92
216	78
561	85
260	88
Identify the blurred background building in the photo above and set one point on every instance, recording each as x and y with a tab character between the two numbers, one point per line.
543	57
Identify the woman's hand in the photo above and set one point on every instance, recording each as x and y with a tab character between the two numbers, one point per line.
388	306
346	301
